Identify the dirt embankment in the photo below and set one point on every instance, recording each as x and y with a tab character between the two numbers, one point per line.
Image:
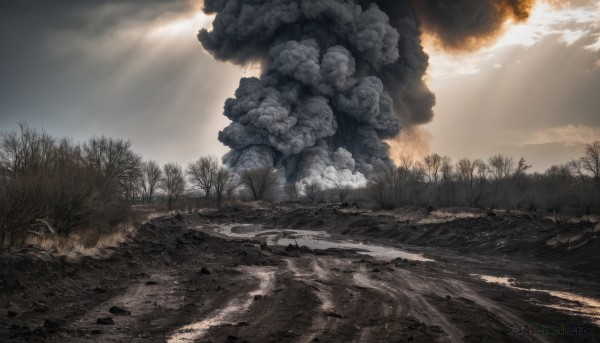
518	236
175	281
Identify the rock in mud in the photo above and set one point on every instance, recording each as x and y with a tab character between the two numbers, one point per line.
119	311
99	290
333	314
204	271
151	283
105	321
292	247
53	324
11	314
17	327
41	309
96	332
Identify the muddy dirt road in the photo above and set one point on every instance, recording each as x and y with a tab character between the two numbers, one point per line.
314	274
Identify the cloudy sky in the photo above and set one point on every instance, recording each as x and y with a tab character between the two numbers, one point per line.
135	70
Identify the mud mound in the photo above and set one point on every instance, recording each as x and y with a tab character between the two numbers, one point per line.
573	245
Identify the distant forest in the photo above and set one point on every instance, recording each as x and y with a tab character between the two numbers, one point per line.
56	186
499	182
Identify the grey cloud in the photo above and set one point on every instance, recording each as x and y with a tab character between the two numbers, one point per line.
317	57
299	60
83	68
251	157
338	76
338	69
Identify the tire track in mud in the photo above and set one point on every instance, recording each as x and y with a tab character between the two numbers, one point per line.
352	304
401	296
142	297
317	278
408	294
411	294
358	302
233	312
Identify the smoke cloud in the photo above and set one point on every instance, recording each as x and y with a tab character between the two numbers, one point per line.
465	24
339	77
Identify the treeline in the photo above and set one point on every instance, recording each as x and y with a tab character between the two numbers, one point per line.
53	186
499	182
56	186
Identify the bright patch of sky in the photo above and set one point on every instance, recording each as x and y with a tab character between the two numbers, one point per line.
191	23
570	23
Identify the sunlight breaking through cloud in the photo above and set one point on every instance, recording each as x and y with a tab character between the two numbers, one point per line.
188	25
569	23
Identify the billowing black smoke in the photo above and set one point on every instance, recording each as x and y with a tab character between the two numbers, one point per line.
338	78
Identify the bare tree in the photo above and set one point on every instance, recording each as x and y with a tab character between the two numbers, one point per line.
377	191
558	179
446	169
390	184
151	175
202	173
342	191
382	187
520	182
590	162
260	182
223	182
522	167
482	172
417	181
115	161
432	164
447	188
465	175
465	171
313	191
173	183
26	150
292	191
501	168
578	170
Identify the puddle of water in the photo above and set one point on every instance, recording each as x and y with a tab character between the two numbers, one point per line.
226	315
572	303
314	240
378	252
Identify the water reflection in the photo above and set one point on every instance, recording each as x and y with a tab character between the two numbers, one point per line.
314	240
568	302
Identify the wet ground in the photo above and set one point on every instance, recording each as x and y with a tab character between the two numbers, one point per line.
315	274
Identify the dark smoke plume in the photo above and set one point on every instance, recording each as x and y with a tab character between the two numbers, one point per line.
338	76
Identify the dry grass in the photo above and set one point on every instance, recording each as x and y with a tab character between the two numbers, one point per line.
89	242
438	217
